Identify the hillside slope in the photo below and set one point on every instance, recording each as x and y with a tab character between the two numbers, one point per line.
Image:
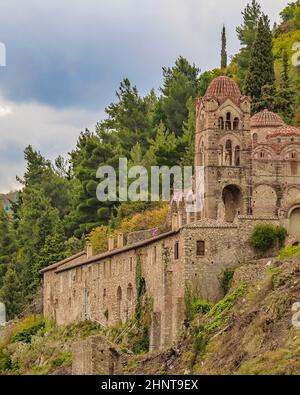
250	331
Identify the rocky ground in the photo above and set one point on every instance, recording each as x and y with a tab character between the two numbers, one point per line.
249	332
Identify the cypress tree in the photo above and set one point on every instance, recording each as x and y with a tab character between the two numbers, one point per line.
223	51
285	98
261	67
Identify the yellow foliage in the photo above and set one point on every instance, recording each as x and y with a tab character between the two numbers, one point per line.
147	220
99	238
141	221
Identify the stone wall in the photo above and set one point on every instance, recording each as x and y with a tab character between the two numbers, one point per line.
95	356
104	290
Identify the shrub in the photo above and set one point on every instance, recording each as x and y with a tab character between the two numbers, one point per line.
194	305
265	237
26	334
289	252
64	359
227	280
5	361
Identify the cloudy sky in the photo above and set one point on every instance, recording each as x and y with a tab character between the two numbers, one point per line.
65	59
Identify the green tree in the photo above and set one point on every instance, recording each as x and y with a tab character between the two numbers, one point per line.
7	247
247	34
223	50
180	83
11	293
286	95
261	68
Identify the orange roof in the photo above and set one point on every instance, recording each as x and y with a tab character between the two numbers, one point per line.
285	131
266	118
223	87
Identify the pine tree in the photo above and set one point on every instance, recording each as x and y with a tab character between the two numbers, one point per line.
6	244
261	67
180	83
247	34
223	50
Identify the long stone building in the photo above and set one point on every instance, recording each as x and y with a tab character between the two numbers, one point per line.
251	176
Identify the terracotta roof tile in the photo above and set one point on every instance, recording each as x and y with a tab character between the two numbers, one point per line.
266	118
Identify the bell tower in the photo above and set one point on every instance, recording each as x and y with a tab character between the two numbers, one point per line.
222	147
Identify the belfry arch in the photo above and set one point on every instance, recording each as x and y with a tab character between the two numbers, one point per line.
232	199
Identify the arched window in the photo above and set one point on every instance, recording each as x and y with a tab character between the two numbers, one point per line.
228	153
129	298
228	121
293	155
262	154
237	156
236	122
254	137
221	123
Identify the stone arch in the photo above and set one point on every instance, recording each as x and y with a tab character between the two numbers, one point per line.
119	303
264	200
291	198
294	227
263	153
233	202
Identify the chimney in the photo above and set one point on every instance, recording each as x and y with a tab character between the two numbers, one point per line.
120	242
174	221
188	217
180	220
111	243
89	250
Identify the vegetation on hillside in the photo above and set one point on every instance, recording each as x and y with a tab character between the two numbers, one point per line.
57	209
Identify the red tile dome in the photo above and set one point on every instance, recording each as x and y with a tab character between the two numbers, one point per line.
265	119
223	87
285	131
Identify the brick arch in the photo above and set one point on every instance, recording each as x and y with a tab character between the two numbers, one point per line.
268	151
291	197
264	200
232	198
286	151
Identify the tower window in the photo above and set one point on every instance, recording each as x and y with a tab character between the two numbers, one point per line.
236	123
200	248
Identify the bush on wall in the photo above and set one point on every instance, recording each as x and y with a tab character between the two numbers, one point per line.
265	237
